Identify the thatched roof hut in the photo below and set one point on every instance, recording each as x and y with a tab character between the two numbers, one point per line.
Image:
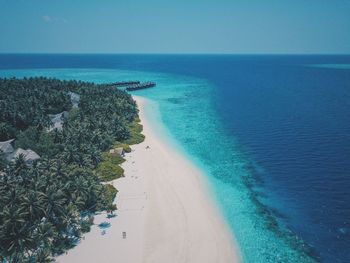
57	120
120	151
75	99
7	146
29	155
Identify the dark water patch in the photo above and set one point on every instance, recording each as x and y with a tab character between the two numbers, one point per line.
272	217
190	140
178	101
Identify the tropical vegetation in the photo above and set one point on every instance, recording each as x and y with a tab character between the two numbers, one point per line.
46	207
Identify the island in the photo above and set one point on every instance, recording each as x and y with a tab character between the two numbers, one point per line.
61	142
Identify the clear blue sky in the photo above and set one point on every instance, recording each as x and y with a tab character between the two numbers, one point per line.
177	26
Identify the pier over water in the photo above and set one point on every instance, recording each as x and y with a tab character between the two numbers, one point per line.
144	85
124	83
133	85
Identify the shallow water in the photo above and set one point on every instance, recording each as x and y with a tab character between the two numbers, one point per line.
271	135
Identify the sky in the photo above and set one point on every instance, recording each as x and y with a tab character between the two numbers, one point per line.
175	26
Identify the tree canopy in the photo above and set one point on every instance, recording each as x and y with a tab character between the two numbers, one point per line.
45	207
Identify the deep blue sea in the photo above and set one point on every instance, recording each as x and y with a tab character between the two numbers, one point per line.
271	133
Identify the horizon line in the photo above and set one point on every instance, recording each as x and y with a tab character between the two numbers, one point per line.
175	53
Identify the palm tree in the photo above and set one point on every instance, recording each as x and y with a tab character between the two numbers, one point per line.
33	201
42	206
15	231
95	156
53	203
20	163
43	256
2	161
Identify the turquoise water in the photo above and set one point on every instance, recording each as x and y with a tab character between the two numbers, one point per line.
184	105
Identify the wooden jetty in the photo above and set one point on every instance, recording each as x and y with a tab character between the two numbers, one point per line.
124	83
144	85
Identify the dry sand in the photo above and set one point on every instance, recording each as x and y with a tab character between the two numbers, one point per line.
164	209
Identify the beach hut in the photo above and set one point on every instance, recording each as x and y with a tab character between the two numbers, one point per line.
57	120
75	99
120	151
29	155
10	153
6	147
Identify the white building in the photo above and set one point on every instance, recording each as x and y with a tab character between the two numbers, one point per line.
120	151
10	153
28	155
75	99
7	146
57	120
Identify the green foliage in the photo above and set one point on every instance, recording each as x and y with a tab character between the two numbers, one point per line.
27	102
7	132
2	161
46	145
74	114
125	146
42	206
109	193
28	138
39	141
108	171
87	223
135	136
135	129
112	158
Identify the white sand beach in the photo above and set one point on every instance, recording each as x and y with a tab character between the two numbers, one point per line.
164	209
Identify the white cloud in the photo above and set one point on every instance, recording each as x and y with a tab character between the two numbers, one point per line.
49	19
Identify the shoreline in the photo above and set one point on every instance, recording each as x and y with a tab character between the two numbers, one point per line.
164	208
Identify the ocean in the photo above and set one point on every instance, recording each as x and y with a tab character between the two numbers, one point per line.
270	132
